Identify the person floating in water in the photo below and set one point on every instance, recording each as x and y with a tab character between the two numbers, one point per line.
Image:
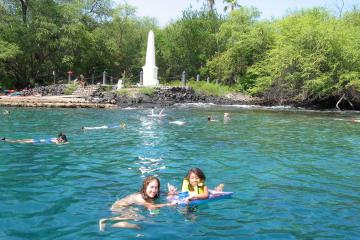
121	125
194	185
148	193
161	114
211	119
6	112
226	117
180	123
354	120
61	139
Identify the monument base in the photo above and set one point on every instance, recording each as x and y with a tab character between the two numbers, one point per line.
150	76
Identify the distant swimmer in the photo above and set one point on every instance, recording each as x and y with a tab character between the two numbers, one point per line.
121	125
211	119
226	117
61	139
354	120
157	115
6	112
180	123
95	128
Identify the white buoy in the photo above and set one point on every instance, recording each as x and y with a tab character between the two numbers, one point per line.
150	70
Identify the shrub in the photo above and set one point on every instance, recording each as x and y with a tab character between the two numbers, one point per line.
70	89
147	91
123	92
209	88
107	88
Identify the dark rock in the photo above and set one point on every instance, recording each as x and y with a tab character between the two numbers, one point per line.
51	90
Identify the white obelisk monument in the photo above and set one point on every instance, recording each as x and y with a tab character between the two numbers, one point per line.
150	71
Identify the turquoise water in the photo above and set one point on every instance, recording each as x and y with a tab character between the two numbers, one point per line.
295	174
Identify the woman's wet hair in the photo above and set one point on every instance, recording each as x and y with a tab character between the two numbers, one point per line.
146	182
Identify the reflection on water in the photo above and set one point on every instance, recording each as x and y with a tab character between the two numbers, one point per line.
295	174
150	165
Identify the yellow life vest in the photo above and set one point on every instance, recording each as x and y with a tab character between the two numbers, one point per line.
186	187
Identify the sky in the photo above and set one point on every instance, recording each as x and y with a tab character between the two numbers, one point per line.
166	10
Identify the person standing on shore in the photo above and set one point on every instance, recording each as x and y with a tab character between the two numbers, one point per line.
82	81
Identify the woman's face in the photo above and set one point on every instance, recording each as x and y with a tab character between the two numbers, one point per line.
194	179
152	189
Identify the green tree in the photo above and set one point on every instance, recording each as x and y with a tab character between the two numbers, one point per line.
123	42
314	57
186	44
243	42
84	36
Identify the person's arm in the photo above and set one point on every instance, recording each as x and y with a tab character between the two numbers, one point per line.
126	201
118	204
59	141
172	190
204	195
154	206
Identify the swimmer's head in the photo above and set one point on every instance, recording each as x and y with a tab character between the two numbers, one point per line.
150	189
62	137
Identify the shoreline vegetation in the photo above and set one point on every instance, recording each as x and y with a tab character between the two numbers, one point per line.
308	58
64	95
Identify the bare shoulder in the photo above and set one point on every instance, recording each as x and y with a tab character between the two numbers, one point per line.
132	199
138	199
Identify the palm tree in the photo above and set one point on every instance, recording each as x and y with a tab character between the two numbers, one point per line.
211	4
231	3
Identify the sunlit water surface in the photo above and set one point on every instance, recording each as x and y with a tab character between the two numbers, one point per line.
295	174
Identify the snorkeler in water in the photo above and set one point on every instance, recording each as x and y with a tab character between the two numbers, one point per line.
161	114
6	112
121	125
61	139
211	119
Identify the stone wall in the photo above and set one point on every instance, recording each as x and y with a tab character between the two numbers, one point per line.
159	97
51	90
164	96
167	96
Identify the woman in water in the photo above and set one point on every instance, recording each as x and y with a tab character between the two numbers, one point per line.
60	139
148	193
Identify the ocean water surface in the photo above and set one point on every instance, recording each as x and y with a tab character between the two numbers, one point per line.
295	174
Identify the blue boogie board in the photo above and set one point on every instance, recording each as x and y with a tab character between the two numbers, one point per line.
213	195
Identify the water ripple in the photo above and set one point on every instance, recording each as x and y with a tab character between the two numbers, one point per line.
295	173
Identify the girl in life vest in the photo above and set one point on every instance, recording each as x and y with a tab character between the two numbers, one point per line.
194	184
193	187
